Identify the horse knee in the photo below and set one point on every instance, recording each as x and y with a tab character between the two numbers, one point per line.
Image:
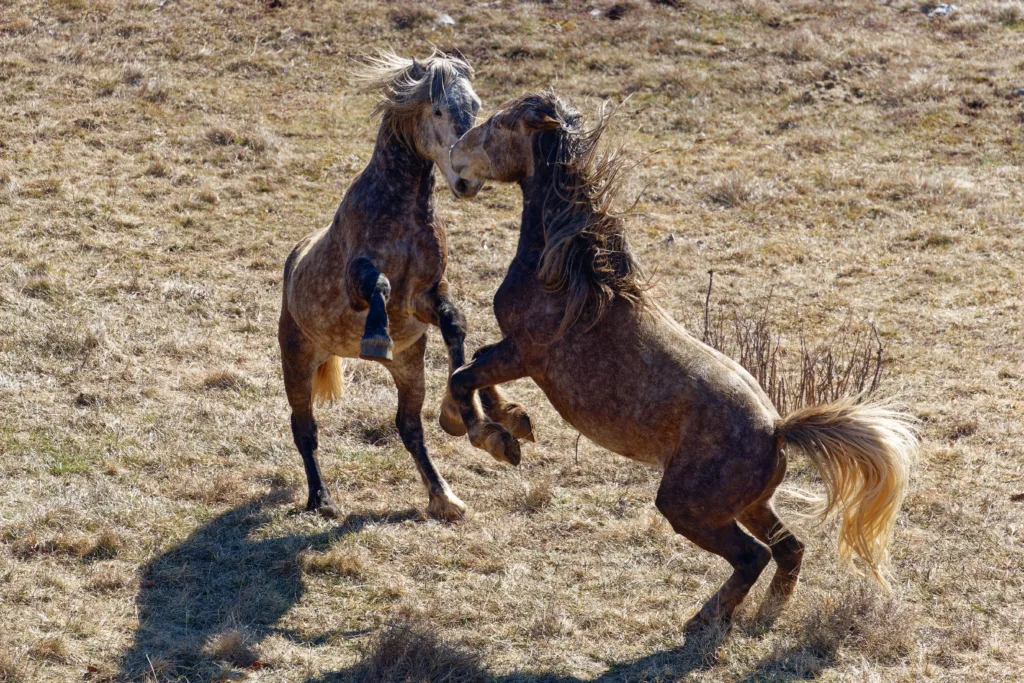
483	350
459	385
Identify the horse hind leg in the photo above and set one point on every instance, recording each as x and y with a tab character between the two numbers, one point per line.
370	289
299	362
787	550
697	512
407	371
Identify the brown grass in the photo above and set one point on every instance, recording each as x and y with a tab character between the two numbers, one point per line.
412	653
856	159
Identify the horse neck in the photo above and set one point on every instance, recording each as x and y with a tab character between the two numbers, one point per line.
396	180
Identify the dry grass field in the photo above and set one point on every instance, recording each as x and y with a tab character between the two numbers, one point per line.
859	159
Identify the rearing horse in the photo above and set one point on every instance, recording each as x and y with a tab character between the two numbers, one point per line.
370	284
618	368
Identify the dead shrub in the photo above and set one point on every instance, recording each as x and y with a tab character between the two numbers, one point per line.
409	653
849	362
860	618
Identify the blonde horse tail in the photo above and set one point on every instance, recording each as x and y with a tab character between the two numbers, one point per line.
863	452
329	381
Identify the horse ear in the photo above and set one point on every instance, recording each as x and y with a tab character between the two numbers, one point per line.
540	120
417	69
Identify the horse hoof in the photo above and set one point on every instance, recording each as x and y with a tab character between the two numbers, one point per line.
446	507
503	447
450	419
378	347
520	424
700	623
324	508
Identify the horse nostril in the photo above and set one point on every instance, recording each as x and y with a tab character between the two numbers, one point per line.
461	187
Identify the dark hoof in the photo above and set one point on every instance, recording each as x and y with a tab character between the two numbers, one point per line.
378	347
323	506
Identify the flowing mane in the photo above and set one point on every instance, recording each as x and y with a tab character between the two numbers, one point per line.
586	252
404	85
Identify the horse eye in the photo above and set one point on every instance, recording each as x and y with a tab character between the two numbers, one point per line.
437	113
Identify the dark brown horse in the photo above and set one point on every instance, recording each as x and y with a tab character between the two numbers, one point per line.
371	283
576	320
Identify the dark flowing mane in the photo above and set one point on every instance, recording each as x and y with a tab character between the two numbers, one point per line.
405	85
586	253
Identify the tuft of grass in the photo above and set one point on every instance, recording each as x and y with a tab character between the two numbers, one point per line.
224	380
734	189
10	669
232	647
340	561
66	463
158	168
411	652
537	497
105	547
43	288
51	649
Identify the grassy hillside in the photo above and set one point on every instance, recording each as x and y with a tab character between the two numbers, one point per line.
859	159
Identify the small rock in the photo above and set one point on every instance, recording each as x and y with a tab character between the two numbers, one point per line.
942	10
595	12
445	20
1019	92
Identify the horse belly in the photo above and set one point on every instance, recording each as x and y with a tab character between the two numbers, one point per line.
612	418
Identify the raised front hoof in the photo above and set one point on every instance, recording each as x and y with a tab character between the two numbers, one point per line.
518	422
497	441
446	507
378	347
450	419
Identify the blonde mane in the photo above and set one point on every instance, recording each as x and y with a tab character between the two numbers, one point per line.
405	85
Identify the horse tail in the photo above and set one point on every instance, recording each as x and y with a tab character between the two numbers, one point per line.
329	381
863	452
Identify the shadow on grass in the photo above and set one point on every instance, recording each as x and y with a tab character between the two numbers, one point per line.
222	590
411	652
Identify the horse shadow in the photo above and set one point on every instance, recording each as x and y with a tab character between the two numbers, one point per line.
226	577
698	652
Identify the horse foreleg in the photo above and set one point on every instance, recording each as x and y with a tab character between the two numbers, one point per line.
500	364
453	326
370	288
